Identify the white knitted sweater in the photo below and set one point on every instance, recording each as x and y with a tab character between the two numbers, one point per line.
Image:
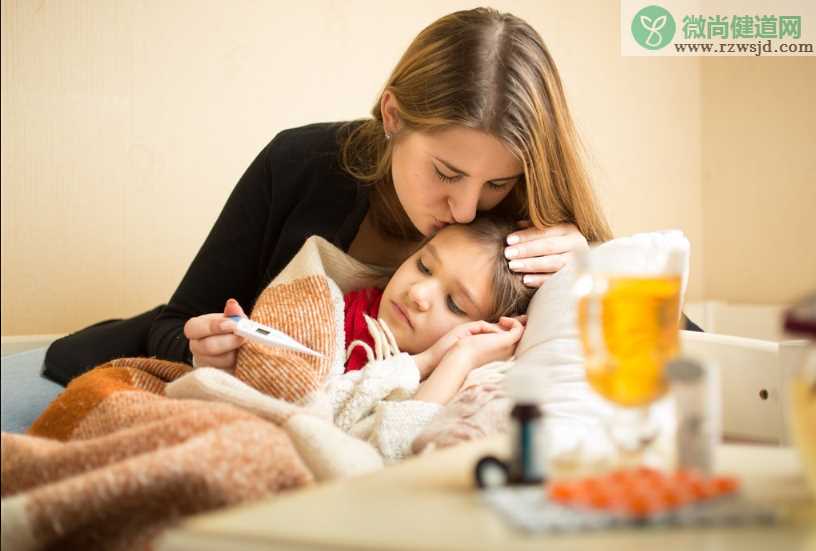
374	404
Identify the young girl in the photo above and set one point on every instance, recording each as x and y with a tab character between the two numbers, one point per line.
444	312
456	284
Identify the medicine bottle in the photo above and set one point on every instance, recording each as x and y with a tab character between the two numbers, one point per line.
528	451
695	388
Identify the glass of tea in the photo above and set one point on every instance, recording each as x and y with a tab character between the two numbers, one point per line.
800	321
629	321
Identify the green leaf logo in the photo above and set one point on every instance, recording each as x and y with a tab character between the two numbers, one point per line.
653	27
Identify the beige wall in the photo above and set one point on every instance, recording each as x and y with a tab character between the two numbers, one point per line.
759	178
126	124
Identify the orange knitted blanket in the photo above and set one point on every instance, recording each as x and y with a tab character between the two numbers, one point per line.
115	459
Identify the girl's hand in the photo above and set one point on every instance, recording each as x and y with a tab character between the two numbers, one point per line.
212	341
540	253
468	353
478	349
426	361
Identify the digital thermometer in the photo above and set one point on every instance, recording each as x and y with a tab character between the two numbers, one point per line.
264	334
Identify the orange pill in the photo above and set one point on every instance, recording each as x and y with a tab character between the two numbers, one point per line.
598	497
724	485
639	506
648	487
562	492
590	485
700	489
620	476
600	500
676	496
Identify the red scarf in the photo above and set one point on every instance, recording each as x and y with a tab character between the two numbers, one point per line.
357	303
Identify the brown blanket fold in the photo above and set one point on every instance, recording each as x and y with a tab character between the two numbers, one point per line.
117	489
113	460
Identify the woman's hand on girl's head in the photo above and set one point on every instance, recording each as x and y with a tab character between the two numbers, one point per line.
538	254
212	341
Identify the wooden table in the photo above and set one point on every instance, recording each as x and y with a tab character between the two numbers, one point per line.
429	502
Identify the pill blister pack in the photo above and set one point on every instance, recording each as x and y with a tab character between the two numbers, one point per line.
528	508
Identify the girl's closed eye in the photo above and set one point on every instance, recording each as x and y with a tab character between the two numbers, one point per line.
449	302
454	308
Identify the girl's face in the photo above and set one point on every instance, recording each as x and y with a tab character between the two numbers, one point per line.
447	176
446	283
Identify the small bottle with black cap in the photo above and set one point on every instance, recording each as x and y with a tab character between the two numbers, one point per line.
528	460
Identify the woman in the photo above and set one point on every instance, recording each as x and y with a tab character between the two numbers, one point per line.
473	118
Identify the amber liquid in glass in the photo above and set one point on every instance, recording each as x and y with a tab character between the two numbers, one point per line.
803	420
639	319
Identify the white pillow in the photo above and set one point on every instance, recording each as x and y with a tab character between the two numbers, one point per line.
551	349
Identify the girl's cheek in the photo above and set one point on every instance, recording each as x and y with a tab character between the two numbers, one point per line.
439	331
450	324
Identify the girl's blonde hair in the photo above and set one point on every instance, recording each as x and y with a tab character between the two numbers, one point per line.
488	71
510	295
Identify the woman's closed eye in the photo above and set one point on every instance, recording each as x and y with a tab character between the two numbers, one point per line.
455	178
445	177
449	302
498	185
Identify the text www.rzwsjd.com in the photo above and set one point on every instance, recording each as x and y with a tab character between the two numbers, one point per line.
755	48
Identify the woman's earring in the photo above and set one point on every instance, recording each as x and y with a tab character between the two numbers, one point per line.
387	135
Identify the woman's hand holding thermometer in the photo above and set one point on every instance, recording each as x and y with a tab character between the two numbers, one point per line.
214	339
211	338
264	334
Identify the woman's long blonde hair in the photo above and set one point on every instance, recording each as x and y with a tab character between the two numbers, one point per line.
488	71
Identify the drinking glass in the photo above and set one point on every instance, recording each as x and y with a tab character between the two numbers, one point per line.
803	415
628	316
800	321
